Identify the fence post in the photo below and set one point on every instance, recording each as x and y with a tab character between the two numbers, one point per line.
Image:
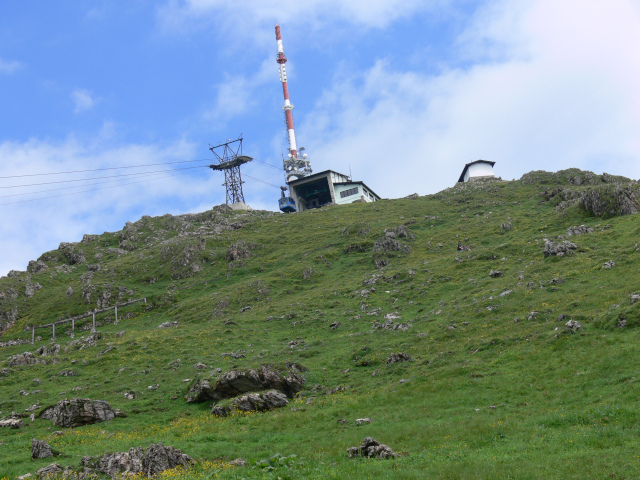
145	300
93	328
116	322
73	327
54	331
33	334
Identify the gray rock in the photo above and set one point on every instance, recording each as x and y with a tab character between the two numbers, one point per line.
237	382
69	292
388	243
579	230
238	462
391	325
31	288
399	358
634	298
14	423
363	421
36	266
50	471
41	449
495	273
218	411
573	325
150	462
609	264
78	411
23	359
609	201
72	255
558	249
168	324
48	350
371	448
259	402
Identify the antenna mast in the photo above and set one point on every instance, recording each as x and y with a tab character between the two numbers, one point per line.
294	166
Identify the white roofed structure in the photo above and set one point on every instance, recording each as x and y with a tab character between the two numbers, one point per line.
477	169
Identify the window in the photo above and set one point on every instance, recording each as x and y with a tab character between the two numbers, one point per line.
351	191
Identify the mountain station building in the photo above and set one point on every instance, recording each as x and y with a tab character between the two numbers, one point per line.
327	188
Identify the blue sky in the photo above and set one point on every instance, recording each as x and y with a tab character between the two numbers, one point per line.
403	93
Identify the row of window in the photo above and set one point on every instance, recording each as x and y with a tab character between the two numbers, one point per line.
351	191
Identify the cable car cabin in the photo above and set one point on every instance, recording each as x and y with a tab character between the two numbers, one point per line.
287	205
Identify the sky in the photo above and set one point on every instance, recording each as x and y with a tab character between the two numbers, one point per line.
399	93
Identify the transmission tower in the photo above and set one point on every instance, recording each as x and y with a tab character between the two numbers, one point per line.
229	156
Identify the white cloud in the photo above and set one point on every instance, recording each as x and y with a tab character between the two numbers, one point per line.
73	209
242	16
83	100
557	90
236	96
9	66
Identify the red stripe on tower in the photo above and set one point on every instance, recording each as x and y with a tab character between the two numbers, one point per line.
282	59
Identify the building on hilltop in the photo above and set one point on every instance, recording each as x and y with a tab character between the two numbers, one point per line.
477	169
326	188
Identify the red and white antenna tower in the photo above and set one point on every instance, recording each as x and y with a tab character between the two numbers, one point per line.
294	166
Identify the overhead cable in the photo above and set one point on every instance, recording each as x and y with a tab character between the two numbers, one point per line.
103	169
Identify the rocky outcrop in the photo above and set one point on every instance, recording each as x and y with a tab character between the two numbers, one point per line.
237	382
253	402
72	255
371	448
36	266
14	423
41	449
78	411
579	230
168	324
48	350
558	249
388	243
610	201
50	471
399	358
23	359
137	461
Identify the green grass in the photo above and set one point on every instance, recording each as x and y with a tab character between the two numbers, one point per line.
485	397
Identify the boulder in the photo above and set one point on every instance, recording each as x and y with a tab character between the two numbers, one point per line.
237	382
14	423
137	461
22	359
48	350
168	324
495	273
558	249
78	411
371	448
573	326
253	402
399	358
41	449
579	230
36	266
50	471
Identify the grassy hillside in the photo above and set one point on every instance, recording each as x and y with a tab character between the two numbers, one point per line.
498	385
